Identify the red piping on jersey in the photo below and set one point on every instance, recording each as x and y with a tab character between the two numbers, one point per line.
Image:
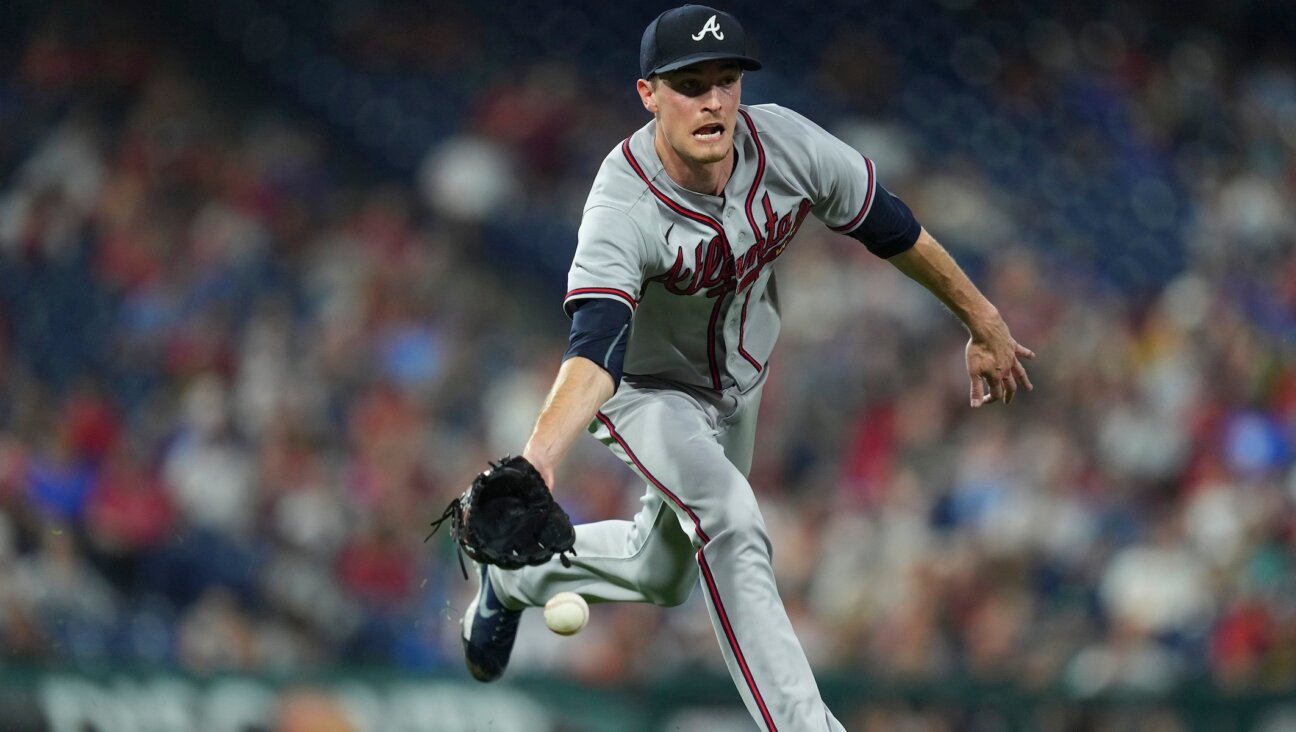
742	325
868	201
702	219
760	173
712	588
733	640
602	291
677	208
751	197
711	339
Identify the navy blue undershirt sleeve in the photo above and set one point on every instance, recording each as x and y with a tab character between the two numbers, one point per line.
889	228
600	329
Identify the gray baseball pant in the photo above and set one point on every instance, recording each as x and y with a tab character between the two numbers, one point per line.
699	520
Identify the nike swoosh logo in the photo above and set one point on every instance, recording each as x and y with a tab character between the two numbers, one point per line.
483	606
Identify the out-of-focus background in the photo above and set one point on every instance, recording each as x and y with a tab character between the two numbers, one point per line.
276	279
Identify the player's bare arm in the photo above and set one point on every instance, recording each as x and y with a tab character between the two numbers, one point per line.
581	387
994	359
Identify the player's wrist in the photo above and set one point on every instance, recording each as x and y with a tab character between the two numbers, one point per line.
983	321
543	463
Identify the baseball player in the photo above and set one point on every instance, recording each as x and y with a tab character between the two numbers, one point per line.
674	314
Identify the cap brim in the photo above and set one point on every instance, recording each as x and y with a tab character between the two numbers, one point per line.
746	63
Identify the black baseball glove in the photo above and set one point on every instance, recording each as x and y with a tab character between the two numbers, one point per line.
508	518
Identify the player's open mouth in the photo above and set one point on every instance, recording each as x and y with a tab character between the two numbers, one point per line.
709	133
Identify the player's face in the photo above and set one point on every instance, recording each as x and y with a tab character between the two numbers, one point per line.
696	109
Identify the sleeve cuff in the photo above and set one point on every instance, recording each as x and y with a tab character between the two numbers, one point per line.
584	293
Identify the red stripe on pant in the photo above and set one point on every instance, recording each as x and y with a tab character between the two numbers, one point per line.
733	640
697	523
707	577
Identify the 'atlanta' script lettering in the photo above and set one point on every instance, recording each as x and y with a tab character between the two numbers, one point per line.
713	267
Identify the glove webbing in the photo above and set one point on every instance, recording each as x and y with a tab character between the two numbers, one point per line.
449	513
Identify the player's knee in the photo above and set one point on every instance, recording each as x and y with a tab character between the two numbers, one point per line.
670	590
669	583
677	598
740	521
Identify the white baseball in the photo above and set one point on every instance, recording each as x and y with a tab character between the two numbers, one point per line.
566	613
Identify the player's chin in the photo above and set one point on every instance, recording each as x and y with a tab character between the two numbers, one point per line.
712	151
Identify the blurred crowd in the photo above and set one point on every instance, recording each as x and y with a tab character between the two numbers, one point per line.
240	371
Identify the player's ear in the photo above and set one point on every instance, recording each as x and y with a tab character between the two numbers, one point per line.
647	95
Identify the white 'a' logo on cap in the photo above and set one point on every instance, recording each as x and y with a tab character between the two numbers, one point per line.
711	27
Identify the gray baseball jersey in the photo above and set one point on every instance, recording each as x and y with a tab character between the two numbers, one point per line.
696	272
695	268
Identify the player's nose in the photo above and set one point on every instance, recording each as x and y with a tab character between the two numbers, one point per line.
712	98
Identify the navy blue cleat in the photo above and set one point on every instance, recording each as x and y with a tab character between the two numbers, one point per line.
489	630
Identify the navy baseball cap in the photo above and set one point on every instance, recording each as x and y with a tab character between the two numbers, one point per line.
691	34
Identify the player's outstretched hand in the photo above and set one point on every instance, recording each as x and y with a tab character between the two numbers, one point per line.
994	363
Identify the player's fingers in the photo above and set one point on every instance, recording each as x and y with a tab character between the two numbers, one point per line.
978	391
1019	371
1010	388
1023	351
996	389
